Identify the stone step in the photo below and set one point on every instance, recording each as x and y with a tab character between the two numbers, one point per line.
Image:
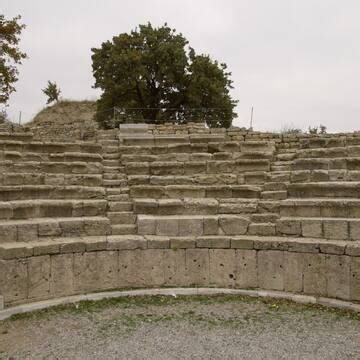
25	209
65	245
348	163
194	191
324	175
23	157
36	178
123	229
109	142
324	189
16	136
330	153
192	225
191	167
115	183
112	169
113	156
172	148
320	227
37	228
274	195
27	192
114	176
321	207
121	217
194	206
120	206
118	197
329	142
54	167
200	179
50	147
111	163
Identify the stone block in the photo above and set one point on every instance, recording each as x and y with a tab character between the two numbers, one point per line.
288	227
126	242
8	233
27	232
61	275
49	228
355	278
214	242
246	269
191	226
197	267
241	243
335	229
265	229
174	268
211	226
222	267
97	227
158	242
141	268
354	229
95	271
293	272
338	276
271	270
311	228
72	227
13	280
72	245
167	226
39	277
233	225
146	225
182	243
315	274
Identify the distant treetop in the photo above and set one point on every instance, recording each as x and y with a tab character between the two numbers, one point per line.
154	76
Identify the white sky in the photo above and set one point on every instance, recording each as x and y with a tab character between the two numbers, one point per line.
296	61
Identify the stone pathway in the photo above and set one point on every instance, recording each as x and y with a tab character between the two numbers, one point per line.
220	327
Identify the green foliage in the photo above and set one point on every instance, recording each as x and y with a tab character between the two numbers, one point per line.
321	129
10	55
154	72
52	92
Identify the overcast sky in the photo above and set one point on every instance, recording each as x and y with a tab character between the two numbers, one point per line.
296	61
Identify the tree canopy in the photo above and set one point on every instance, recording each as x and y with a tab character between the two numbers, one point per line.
10	55
52	92
155	75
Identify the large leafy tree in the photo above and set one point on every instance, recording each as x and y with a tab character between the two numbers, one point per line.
10	55
155	76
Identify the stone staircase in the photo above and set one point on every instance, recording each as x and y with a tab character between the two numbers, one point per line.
119	207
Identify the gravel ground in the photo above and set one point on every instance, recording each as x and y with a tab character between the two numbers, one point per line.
221	327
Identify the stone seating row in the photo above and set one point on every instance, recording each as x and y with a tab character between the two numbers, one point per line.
348	163
20	156
195	191
251	177
44	228
199	225
53	167
329	142
38	178
25	209
198	167
205	147
27	192
40	147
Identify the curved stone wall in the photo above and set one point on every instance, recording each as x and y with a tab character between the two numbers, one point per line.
78	266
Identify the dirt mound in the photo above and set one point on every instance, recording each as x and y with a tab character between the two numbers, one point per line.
67	120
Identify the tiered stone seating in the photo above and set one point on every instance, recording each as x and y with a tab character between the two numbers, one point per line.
323	190
215	208
50	190
194	184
